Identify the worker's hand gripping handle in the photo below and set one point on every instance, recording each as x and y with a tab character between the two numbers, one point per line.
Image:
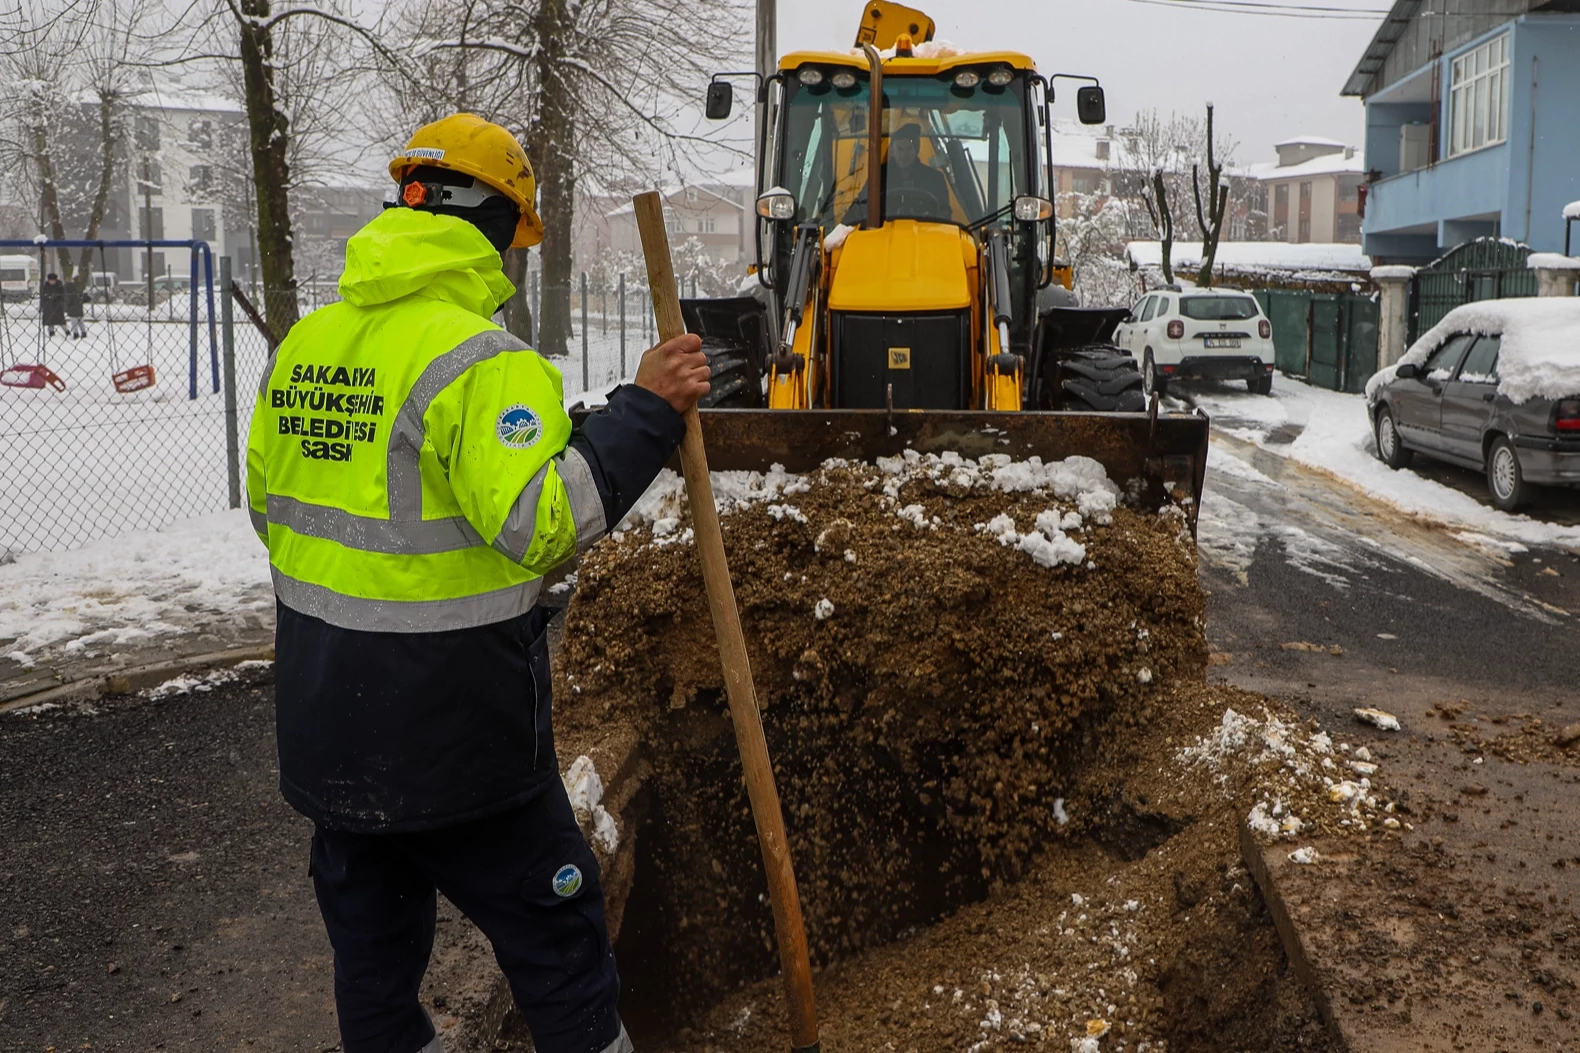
788	926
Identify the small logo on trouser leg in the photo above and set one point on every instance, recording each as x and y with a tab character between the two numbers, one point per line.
567	881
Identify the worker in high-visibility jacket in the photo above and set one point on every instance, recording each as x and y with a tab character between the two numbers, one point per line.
414	474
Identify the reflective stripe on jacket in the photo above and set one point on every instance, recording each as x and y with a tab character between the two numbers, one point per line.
408	465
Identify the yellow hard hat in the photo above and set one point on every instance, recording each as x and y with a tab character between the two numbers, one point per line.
466	143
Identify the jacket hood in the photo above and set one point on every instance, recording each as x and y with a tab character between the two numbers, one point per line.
403	252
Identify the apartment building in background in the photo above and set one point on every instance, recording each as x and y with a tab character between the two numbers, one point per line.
1312	191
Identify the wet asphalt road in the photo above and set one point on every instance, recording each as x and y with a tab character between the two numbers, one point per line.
1295	557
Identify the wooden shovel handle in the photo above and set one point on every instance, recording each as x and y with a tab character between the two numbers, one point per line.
789	928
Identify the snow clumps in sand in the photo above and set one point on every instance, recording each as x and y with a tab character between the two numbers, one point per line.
1080	481
584	787
1292	772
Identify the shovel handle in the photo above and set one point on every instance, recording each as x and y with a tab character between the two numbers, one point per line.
789	929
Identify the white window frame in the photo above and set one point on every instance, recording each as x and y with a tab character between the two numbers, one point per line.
1478	97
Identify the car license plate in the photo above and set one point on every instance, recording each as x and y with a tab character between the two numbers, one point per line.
1221	341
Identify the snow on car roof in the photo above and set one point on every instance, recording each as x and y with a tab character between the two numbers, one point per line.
1540	354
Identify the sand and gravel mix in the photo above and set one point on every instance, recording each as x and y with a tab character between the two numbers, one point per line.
1012	800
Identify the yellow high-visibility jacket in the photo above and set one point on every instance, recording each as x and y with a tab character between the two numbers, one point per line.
408	463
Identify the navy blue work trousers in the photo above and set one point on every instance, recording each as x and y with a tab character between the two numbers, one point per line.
525	877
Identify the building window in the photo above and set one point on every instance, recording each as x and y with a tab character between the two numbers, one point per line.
1478	97
1304	234
202	224
706	225
145	133
1085	182
152	180
200	134
200	177
152	223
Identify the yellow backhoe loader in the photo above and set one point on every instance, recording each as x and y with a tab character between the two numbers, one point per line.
907	290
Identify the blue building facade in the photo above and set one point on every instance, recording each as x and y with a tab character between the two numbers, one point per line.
1472	125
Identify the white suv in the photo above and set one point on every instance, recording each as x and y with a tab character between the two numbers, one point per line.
1195	333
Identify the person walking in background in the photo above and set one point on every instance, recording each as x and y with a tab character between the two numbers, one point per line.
74	327
52	303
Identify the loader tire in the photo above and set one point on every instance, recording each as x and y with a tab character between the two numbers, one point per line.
734	380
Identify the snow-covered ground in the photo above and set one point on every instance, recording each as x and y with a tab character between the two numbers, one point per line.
1331	431
118	593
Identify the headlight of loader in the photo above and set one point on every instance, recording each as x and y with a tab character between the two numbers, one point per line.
844	80
776	204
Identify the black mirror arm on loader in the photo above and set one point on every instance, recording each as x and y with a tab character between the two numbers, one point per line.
804	263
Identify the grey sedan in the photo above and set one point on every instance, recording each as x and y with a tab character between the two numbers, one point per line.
1449	407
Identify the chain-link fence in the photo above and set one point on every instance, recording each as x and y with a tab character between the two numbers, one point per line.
112	413
125	427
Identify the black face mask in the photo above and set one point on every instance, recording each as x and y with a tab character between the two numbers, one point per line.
496	218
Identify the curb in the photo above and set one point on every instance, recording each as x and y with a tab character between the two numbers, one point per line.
136	678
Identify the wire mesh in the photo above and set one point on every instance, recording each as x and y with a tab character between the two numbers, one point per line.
92	462
99	458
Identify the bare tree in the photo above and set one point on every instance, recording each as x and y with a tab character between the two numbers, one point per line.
1163	219
109	77
1091	238
598	90
38	66
1153	169
1209	221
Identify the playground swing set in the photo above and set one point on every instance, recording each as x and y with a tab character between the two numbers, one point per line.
15	373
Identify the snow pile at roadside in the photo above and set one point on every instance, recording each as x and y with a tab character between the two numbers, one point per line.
130	589
1540	353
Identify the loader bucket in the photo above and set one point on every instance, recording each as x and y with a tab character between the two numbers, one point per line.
1153	458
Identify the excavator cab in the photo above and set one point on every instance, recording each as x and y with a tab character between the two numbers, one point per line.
905	232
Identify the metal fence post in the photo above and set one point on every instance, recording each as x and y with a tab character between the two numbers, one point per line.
622	326
586	382
232	439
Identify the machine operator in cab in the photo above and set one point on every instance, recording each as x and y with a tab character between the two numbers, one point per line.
413	472
911	188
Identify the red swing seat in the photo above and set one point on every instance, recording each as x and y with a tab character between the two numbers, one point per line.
134	379
32	375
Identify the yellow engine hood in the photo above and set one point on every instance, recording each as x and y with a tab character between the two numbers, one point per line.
903	266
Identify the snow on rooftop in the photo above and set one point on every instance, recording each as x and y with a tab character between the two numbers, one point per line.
1327	164
1257	255
1309	140
1552	261
1540	354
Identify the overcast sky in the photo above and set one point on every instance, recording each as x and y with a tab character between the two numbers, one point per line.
1271	78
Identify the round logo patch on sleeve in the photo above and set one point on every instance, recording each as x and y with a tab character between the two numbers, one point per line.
567	881
518	427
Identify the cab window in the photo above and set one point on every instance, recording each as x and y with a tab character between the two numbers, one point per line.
1481	365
